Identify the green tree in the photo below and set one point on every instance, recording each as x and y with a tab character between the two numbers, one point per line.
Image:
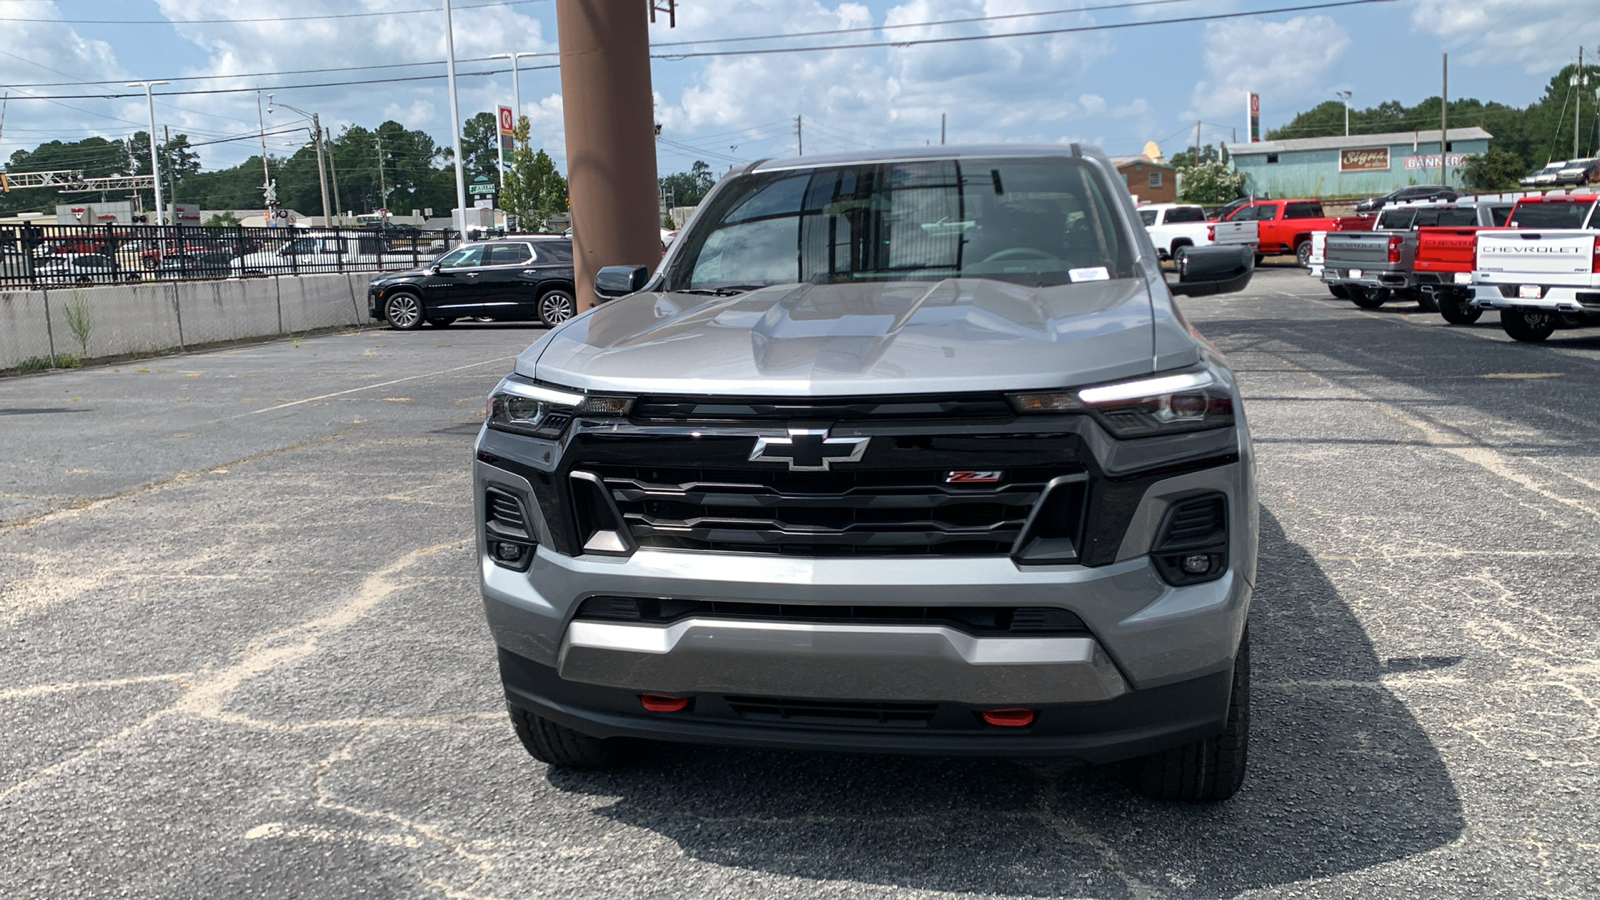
1493	171
226	218
532	190
480	146
1188	156
1210	182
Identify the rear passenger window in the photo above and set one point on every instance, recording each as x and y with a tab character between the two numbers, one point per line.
508	255
1186	214
1457	217
1303	211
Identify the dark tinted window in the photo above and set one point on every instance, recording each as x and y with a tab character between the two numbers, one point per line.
1549	215
1500	213
1186	214
507	255
470	255
1305	210
1457	217
1148	216
554	251
1395	219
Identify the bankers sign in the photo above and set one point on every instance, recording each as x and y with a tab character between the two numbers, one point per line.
1373	159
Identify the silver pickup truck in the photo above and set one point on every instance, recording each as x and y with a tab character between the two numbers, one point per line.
1373	267
908	452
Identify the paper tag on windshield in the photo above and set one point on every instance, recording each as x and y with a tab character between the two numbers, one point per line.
1098	273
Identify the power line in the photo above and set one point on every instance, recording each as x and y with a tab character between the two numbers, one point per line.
356	15
966	21
1210	17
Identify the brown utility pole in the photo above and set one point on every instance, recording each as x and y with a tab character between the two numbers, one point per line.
611	149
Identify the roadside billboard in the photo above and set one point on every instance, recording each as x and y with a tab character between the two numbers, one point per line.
1364	159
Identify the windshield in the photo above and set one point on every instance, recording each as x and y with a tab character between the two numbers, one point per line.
1549	215
1035	222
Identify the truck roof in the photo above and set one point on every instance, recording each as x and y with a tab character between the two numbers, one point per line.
903	154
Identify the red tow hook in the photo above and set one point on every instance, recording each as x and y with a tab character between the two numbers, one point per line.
1011	717
665	703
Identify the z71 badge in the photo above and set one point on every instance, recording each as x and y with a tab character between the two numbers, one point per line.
977	476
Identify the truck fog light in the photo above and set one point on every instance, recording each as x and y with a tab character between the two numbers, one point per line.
505	551
1198	564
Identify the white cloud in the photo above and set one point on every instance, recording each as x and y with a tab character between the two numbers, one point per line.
995	89
32	52
1537	35
1281	61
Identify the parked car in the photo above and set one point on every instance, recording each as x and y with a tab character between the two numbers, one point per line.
1578	172
1547	177
977	491
1174	227
1545	274
81	268
1409	194
527	279
1284	226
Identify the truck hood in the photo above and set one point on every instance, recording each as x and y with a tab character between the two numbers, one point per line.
850	339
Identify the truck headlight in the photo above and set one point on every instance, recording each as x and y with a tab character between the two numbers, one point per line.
523	407
1189	400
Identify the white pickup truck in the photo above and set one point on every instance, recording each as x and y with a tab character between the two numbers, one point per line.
1173	226
1545	271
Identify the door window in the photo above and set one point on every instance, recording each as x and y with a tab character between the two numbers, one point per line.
462	256
508	255
1147	216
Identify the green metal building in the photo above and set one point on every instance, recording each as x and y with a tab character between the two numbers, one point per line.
1360	165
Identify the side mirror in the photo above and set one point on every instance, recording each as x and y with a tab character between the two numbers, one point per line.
1214	270
431	270
612	282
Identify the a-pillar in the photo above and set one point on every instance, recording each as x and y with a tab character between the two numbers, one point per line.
608	110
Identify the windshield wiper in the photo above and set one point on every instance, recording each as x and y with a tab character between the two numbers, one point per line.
730	291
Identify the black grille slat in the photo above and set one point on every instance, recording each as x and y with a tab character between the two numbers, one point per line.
504	509
1195	523
975	620
894	715
832	409
861	512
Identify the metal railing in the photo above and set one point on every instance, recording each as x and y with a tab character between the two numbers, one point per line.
44	256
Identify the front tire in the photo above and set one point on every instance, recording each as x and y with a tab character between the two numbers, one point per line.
404	311
558	745
556	307
1530	326
1369	298
1458	309
1207	771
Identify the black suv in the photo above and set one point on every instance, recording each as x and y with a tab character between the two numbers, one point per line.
522	279
1406	195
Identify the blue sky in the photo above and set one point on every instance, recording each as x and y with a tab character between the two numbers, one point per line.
1117	89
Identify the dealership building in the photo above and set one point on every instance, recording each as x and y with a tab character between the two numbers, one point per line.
1358	165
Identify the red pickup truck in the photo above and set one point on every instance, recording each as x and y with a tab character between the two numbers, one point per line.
1446	256
1285	226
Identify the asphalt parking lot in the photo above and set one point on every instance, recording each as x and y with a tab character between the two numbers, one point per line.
241	651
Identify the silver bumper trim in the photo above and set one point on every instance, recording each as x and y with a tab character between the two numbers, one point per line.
928	663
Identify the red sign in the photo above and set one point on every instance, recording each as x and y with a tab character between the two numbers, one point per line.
508	121
1367	159
1255	104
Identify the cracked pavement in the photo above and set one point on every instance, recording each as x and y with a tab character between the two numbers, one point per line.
241	650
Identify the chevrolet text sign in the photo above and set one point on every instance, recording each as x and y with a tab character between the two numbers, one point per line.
1370	159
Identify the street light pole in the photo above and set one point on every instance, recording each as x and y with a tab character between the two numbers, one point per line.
455	120
1345	96
322	172
155	164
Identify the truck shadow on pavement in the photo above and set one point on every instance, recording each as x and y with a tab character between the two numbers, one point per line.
1341	778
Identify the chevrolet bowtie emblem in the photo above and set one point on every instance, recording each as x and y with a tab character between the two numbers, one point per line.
809	450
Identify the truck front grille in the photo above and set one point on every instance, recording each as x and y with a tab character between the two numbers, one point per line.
860	513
